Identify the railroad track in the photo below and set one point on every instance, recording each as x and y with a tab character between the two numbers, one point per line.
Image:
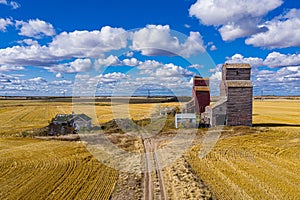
154	187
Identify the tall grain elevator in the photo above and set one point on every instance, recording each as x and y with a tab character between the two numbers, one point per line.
237	88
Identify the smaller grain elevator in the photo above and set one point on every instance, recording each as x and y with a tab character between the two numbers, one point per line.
200	96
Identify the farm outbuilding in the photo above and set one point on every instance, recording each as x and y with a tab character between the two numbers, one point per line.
215	115
81	121
69	123
185	120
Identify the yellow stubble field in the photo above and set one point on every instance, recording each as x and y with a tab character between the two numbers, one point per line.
261	165
41	169
21	115
258	163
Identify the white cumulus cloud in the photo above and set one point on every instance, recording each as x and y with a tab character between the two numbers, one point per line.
61	83
58	75
284	81
32	55
115	61
158	40
235	18
273	60
276	59
65	46
35	28
159	71
78	65
283	31
38	80
4	23
109	61
86	85
89	43
13	4
111	77
7	68
213	48
129	54
253	61
131	62
171	70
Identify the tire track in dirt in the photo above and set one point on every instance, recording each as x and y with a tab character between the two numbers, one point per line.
154	187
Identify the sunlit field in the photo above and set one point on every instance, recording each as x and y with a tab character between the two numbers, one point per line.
276	111
259	163
21	115
39	169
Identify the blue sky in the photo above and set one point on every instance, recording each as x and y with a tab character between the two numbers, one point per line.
131	47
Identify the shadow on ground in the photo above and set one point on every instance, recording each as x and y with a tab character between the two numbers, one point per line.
275	125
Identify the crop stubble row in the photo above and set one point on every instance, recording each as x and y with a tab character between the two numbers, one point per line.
53	170
252	166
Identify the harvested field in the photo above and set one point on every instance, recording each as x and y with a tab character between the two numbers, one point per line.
38	169
247	163
258	163
258	166
276	113
17	116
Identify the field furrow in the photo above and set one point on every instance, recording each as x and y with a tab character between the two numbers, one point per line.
252	166
53	170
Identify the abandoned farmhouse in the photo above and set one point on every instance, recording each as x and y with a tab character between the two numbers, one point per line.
69	123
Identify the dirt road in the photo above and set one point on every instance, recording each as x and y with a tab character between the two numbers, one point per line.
153	181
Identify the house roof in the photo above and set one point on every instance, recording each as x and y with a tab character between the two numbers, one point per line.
63	118
83	116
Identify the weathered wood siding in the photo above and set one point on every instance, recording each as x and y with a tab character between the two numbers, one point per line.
239	106
236	74
223	89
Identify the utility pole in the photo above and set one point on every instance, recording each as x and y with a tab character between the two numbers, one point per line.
148	93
